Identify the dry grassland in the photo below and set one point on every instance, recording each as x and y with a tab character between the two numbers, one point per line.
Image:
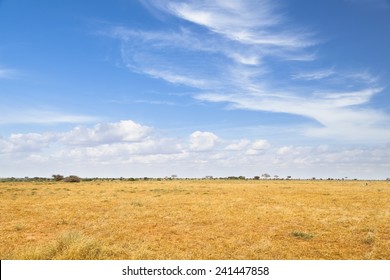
189	219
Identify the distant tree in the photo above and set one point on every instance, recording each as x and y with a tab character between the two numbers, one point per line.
72	179
256	178
288	177
265	175
57	177
276	177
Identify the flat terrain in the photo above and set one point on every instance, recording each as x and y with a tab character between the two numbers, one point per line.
195	219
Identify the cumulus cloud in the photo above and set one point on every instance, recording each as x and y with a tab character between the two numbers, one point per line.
238	145
202	141
261	145
284	150
139	150
258	147
25	143
123	131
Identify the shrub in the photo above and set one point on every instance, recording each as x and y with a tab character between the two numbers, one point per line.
72	179
57	177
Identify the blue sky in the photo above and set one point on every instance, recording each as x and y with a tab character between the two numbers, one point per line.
195	88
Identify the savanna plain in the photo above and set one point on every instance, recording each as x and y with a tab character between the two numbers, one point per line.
195	219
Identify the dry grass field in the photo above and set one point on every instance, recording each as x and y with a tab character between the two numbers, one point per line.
195	219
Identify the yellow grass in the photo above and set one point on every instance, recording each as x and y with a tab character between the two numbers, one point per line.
190	219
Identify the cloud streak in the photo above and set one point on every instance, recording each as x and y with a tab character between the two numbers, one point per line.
41	116
7	73
314	75
238	61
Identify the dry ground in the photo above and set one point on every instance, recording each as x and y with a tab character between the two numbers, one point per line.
190	219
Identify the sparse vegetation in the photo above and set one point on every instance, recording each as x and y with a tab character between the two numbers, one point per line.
57	177
19	227
195	219
302	235
70	245
72	179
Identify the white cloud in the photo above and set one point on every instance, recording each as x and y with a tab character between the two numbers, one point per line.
40	116
339	162
332	111
249	23
177	79
246	45
244	32
258	147
363	77
284	150
261	145
123	131
238	145
314	75
202	141
245	22
140	151
247	59
25	143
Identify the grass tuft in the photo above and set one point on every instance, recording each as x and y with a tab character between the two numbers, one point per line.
62	222
302	235
370	238
19	227
136	204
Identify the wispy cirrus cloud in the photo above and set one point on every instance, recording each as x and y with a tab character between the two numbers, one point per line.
176	78
248	22
314	75
7	73
240	53
24	115
335	113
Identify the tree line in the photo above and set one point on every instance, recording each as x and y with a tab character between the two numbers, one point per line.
76	179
